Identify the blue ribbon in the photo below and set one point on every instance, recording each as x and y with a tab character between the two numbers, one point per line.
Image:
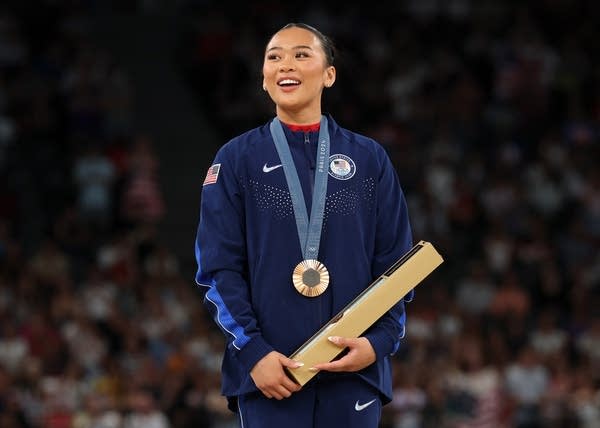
309	232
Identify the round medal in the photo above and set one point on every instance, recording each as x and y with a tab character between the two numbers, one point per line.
311	278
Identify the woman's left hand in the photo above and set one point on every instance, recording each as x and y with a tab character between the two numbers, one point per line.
360	355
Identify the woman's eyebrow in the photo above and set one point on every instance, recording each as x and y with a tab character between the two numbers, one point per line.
295	47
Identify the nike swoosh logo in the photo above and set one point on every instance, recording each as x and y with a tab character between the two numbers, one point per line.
358	407
270	168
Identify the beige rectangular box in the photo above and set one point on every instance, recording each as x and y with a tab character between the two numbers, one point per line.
366	308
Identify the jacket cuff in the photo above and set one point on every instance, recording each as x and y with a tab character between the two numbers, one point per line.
383	344
253	352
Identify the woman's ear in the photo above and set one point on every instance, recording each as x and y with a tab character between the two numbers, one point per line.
329	76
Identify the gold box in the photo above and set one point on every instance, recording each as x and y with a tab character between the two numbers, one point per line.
366	308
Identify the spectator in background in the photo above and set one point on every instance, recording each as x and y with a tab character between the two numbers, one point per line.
406	408
142	200
588	346
476	290
11	411
554	408
13	347
585	399
547	338
144	412
97	411
474	388
526	383
94	176
49	265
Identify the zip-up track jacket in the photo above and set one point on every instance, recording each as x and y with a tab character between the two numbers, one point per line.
247	247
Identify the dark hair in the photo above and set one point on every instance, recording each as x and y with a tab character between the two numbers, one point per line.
326	43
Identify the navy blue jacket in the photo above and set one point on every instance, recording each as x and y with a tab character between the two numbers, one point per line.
247	247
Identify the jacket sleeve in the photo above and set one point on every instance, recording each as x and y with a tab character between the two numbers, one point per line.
222	262
393	239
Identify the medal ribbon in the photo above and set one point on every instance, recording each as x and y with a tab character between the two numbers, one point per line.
309	233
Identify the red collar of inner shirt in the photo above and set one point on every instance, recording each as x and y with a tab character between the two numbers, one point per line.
304	128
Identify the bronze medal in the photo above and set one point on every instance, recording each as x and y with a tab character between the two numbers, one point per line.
311	278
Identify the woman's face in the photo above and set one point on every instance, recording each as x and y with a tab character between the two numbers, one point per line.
294	73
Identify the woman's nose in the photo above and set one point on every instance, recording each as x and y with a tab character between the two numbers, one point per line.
286	66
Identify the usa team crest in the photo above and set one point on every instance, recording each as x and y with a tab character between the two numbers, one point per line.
341	167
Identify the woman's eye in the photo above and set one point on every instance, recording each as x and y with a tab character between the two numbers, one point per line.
272	57
302	54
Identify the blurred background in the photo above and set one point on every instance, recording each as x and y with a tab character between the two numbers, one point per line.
112	111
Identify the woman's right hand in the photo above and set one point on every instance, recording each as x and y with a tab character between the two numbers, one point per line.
269	376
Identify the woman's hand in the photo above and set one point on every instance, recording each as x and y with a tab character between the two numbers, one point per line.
269	376
360	355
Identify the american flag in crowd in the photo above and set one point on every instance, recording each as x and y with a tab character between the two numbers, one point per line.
212	174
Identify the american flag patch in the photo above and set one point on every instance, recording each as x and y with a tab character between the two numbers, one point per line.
212	174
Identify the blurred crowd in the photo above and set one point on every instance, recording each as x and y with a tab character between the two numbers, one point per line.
99	328
490	111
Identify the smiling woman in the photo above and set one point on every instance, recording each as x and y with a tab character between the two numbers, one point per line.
295	71
300	175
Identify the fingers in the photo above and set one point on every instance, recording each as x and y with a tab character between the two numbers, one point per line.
345	342
281	390
277	392
270	378
287	383
290	385
287	362
334	366
360	355
339	341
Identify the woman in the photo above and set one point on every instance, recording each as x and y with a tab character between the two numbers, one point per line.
275	274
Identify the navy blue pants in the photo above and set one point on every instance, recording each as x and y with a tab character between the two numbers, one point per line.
344	401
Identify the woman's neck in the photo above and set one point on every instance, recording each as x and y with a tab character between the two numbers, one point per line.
299	118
